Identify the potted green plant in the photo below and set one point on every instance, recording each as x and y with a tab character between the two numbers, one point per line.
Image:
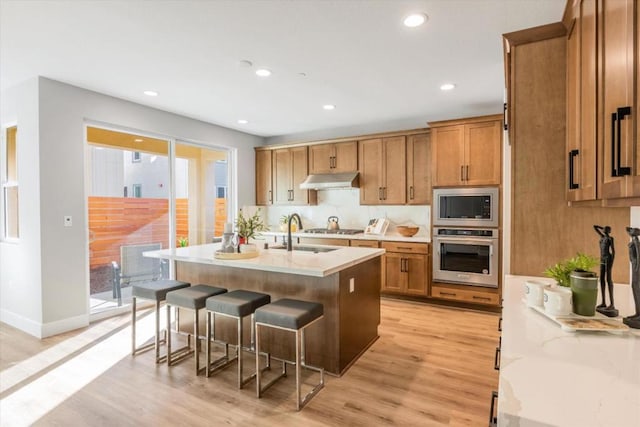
249	227
284	223
183	241
576	273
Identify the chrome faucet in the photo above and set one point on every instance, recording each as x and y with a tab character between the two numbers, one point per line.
299	221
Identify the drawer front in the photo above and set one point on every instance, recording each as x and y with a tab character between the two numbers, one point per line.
365	243
414	248
466	295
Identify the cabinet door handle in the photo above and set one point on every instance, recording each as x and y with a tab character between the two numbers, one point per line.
621	114
411	192
379	193
614	118
405	248
450	294
572	156
493	419
270	196
500	324
466	172
481	298
384	193
496	361
504	117
406	265
461	173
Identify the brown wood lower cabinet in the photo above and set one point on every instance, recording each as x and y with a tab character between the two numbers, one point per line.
472	294
406	268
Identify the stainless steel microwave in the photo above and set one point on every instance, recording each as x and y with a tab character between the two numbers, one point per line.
466	207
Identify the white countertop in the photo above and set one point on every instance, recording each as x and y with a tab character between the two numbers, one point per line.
277	260
549	377
389	236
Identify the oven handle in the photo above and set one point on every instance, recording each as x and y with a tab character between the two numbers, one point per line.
466	240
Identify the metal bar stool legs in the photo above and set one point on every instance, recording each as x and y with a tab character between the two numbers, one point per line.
293	316
238	305
192	298
155	291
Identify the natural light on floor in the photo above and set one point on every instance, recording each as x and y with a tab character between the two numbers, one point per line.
45	380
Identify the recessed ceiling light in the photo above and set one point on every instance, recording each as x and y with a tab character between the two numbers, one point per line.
243	121
447	86
263	72
137	140
150	93
329	107
415	20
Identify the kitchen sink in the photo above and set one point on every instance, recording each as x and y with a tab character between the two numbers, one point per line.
314	249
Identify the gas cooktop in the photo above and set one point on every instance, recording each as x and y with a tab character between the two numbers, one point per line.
326	231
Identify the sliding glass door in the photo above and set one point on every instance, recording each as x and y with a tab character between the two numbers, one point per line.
130	207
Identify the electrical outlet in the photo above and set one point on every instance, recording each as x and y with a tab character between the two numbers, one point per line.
352	284
68	221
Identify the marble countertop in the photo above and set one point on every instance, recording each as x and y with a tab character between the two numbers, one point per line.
276	260
549	377
389	236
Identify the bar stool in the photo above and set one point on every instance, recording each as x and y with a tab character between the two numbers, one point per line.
192	298
155	290
294	316
237	305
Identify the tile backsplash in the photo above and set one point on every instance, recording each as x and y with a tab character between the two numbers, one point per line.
345	204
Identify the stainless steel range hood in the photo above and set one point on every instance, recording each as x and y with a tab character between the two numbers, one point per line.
325	181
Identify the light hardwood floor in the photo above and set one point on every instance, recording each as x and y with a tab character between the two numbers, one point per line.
431	366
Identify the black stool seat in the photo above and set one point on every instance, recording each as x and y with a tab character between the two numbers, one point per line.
239	303
157	289
289	313
193	297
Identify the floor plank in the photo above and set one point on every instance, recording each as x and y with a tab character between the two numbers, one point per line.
431	366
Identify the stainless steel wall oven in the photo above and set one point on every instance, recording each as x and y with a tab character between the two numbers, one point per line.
466	256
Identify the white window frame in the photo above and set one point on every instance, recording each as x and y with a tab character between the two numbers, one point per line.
6	184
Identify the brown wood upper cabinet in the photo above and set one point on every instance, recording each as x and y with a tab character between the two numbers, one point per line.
333	158
418	169
382	171
264	190
602	124
581	103
621	174
467	152
289	170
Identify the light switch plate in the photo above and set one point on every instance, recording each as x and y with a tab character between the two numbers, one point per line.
352	284
68	221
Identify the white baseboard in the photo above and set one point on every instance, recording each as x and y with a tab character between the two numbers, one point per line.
64	325
20	322
43	330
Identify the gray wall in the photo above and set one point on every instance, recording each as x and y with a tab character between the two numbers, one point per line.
51	135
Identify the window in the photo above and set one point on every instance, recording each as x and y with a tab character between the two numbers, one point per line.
10	185
135	157
221	192
137	190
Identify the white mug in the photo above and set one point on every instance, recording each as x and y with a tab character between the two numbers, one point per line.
557	301
534	292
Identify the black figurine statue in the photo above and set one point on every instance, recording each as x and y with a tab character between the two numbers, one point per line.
607	256
634	256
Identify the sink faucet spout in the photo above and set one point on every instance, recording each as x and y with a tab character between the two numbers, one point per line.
299	221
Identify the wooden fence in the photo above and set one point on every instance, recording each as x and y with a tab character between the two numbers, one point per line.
117	221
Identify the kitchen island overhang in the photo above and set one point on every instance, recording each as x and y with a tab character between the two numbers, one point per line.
346	281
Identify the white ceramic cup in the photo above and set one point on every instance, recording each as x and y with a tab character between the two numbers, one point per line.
557	301
534	292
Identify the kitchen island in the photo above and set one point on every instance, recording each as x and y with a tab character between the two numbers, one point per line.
550	377
345	280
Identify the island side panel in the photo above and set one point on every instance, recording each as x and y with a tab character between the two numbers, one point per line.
359	310
322	337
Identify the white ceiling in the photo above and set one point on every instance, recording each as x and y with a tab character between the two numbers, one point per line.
356	54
